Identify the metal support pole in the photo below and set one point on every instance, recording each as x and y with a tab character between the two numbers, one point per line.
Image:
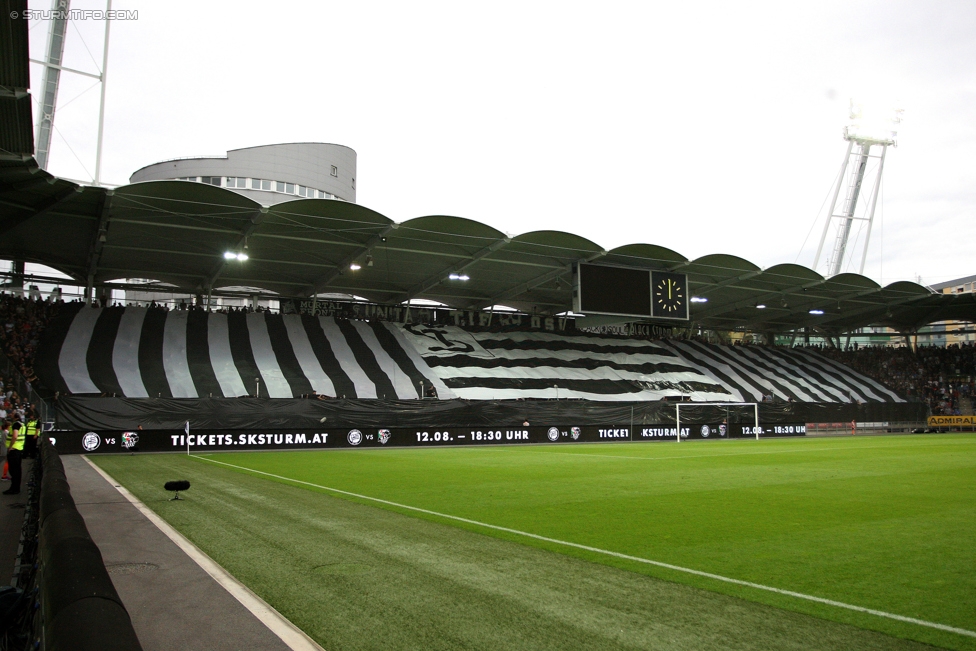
52	79
755	408
874	203
833	203
677	422
101	106
850	204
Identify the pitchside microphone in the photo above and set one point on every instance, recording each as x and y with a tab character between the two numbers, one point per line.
176	487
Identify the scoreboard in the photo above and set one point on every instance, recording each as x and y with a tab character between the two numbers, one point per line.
625	291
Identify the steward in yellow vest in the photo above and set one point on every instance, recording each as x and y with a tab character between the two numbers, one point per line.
33	429
15	450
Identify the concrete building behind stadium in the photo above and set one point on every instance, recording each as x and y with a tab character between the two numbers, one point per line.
268	174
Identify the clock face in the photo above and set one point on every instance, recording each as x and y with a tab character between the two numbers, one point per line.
670	294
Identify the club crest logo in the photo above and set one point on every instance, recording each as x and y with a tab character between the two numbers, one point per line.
384	436
723	429
355	437
129	440
553	434
705	431
575	433
91	441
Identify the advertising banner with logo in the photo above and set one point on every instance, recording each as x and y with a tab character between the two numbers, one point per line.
214	440
952	421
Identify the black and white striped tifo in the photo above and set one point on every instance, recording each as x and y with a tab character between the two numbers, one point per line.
138	352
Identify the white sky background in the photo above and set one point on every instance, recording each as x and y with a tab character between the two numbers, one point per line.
702	127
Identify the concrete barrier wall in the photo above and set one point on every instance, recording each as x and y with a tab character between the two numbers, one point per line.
80	608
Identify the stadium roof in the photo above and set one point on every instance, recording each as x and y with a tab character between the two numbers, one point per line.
177	232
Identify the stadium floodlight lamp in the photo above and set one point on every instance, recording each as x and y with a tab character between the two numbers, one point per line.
699	299
242	256
871	124
230	255
354	267
760	306
816	312
461	277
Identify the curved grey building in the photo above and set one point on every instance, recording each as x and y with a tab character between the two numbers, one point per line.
268	174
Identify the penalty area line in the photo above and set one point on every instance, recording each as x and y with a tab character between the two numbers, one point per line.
606	552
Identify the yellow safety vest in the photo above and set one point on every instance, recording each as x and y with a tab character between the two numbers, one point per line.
32	429
19	444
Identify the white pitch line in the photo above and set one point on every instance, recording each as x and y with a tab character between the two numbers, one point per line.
712	456
638	559
290	634
730	454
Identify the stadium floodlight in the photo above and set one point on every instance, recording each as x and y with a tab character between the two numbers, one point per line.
354	267
461	277
242	256
760	306
873	124
230	255
699	299
870	125
816	312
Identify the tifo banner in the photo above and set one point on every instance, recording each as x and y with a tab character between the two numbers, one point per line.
214	440
147	354
952	421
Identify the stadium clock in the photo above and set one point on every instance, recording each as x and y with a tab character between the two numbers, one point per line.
669	295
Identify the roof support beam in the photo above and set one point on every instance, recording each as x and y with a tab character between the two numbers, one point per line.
440	277
207	284
824	321
518	290
708	287
98	242
27	183
886	305
718	309
29	212
323	282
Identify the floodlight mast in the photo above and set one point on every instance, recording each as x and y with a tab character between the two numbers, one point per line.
60	14
52	79
852	173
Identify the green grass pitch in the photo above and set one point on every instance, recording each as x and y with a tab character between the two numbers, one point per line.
885	523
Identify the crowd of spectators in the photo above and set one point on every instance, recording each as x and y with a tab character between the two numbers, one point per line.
941	376
22	320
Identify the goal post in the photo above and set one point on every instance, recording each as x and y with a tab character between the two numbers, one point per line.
678	405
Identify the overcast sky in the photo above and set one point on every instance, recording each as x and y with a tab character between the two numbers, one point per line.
702	127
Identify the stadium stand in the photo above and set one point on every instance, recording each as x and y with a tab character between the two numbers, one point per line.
148	353
942	377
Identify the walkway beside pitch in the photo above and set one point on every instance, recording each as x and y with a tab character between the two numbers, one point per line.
173	602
